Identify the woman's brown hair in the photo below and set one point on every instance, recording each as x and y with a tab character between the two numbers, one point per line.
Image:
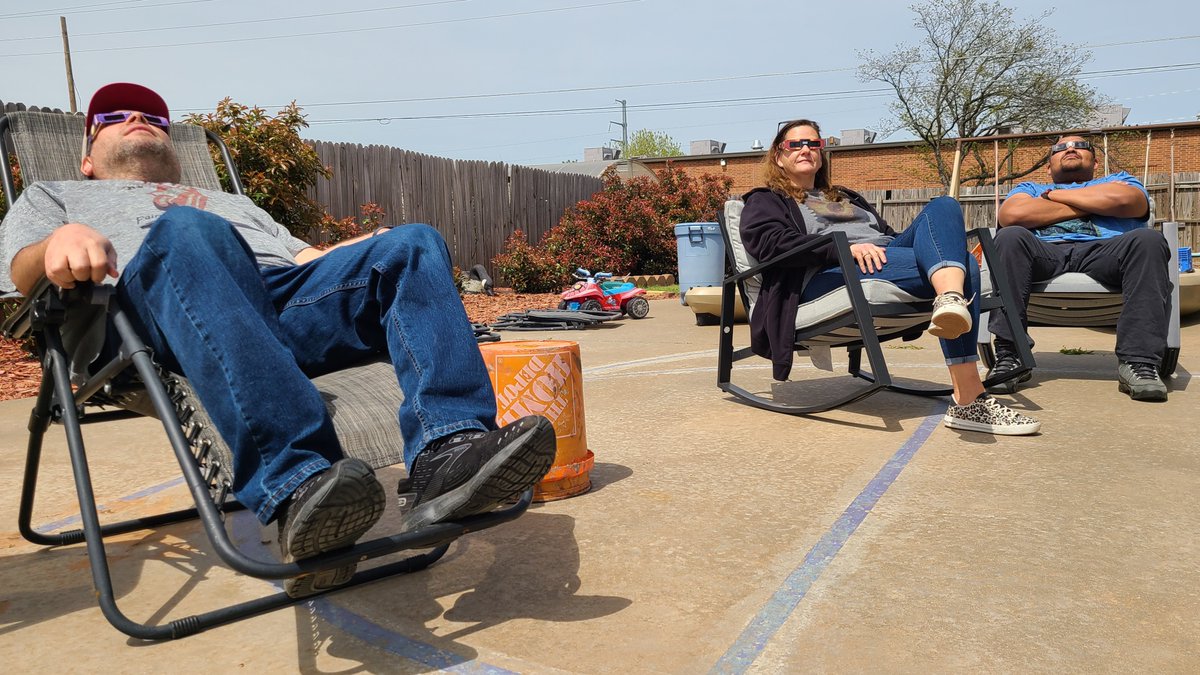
774	177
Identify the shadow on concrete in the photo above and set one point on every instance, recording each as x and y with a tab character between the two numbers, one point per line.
889	408
604	474
1096	366
534	574
528	569
51	582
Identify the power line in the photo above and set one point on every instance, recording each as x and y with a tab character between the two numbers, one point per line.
243	22
572	90
1140	70
94	7
323	33
708	80
647	107
712	103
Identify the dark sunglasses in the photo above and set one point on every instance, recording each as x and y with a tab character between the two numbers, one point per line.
812	143
103	119
1078	145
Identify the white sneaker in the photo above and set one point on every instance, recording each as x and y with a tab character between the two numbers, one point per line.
988	415
951	318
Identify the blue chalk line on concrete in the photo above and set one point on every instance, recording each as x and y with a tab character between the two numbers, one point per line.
754	638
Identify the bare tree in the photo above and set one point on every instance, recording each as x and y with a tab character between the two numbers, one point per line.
976	72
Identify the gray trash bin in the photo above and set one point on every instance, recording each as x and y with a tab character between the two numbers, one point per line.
701	254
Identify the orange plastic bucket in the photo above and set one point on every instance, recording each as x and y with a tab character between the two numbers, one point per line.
544	377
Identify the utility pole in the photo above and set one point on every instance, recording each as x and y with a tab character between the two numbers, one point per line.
624	124
62	21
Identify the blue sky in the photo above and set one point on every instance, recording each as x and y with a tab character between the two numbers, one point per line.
536	81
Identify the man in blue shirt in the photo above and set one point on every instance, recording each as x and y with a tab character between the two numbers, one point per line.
1096	226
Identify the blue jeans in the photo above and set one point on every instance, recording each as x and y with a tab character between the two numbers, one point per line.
935	239
248	339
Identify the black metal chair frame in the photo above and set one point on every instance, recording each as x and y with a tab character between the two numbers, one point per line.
41	317
861	316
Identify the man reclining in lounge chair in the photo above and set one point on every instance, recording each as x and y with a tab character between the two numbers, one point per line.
1079	223
247	312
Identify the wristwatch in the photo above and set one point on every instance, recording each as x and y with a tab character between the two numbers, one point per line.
1046	195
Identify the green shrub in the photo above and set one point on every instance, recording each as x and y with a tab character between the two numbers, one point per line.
626	228
275	165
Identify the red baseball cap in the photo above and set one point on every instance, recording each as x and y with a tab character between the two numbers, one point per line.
124	96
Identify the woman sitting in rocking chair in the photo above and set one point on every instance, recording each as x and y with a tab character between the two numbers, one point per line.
929	257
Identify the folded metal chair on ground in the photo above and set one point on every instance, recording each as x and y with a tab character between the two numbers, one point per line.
362	402
553	319
858	317
1076	300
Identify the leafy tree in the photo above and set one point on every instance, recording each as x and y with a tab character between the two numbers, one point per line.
647	143
977	71
275	165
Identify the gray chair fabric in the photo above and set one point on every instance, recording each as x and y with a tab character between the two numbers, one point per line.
49	146
362	402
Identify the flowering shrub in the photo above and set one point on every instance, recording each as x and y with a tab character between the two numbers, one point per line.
275	165
332	231
626	228
531	269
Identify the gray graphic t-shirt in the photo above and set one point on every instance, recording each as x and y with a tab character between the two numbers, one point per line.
822	216
123	211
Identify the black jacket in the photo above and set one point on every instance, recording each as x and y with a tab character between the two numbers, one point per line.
772	224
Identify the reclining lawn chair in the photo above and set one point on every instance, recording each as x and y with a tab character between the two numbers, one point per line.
362	401
857	317
1077	300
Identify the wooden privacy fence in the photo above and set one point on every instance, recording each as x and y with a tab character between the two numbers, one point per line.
475	205
1177	200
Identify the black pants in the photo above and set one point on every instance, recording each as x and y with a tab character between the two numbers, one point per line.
1135	261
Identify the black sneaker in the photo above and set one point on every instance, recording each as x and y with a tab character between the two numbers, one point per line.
1141	381
475	471
327	512
1006	362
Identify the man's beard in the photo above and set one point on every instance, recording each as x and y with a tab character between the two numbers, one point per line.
1079	171
149	160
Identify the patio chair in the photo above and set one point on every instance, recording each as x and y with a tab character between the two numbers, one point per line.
1076	300
361	400
857	317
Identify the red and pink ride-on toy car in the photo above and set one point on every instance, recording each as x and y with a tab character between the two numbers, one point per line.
592	293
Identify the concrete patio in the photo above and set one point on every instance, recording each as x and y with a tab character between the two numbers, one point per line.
716	537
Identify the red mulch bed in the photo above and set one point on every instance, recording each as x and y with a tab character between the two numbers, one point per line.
20	373
487	308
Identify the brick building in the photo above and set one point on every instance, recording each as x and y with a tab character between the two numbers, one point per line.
1152	149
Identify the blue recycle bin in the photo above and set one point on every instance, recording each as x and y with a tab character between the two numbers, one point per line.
701	254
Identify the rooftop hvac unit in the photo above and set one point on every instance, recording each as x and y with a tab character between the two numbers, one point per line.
707	147
857	136
601	154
